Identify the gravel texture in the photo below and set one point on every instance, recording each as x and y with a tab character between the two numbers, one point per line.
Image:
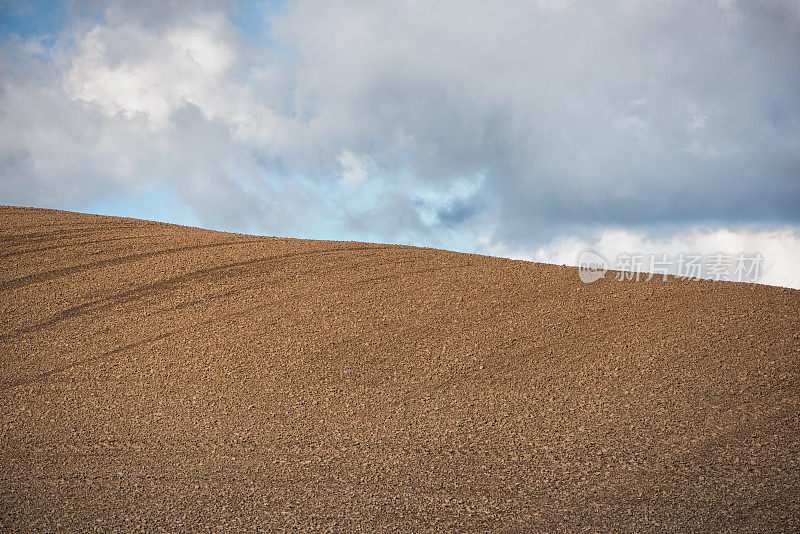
158	377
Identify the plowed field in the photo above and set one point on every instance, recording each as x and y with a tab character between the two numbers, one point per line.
158	377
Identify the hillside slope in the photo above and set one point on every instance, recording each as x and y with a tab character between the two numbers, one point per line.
157	376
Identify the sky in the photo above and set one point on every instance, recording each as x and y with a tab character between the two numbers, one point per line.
525	129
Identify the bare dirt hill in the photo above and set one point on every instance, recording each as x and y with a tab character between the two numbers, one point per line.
163	377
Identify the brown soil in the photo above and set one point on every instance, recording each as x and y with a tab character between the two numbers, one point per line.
162	377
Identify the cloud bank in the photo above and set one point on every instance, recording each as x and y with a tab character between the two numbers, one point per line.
464	125
779	250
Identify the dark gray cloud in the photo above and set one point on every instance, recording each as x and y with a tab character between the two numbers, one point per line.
578	113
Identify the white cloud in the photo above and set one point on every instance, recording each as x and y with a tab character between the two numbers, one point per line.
136	71
354	168
779	248
698	122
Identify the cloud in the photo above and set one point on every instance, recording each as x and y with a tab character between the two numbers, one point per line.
778	248
354	168
364	120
